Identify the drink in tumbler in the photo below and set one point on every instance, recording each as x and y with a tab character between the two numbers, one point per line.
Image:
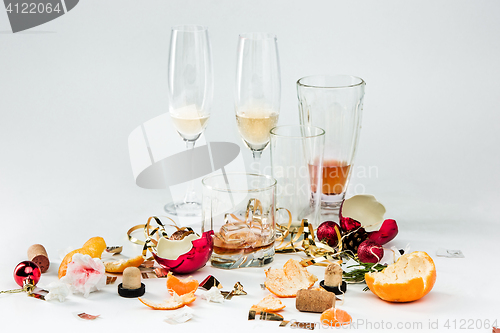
240	209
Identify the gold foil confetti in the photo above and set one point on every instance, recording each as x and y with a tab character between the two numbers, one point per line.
296	324
209	282
149	275
148	264
161	272
110	279
39	293
271	316
87	316
237	291
261	315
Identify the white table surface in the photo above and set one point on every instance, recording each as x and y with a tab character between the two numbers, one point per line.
72	90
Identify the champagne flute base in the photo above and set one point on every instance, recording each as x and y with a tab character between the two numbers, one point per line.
183	208
330	203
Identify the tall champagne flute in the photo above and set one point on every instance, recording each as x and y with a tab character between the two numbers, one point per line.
190	91
258	90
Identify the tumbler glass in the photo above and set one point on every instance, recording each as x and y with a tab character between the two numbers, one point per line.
334	103
240	209
297	160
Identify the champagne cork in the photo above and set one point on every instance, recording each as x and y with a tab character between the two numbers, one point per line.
131	285
310	300
38	255
131	278
333	275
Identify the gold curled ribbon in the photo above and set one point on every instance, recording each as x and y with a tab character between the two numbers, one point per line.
301	239
291	239
152	234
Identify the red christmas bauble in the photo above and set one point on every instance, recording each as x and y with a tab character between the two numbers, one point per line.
27	270
386	233
370	252
328	231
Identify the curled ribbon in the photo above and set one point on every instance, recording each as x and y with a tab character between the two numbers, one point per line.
301	239
152	234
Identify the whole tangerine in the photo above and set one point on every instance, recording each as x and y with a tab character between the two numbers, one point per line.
408	279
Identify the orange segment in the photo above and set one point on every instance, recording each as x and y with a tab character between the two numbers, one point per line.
268	304
172	303
287	281
120	265
93	247
180	286
410	278
335	317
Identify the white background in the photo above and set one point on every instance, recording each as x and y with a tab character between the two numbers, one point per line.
73	89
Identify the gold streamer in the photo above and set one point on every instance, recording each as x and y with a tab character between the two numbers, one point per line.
291	239
151	234
302	240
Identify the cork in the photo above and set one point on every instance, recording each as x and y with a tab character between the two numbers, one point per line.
131	285
333	275
131	278
310	300
38	255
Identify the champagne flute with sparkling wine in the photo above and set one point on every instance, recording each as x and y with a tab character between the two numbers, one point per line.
258	90
190	90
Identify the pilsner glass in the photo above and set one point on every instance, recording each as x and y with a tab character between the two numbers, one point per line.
334	103
297	160
240	209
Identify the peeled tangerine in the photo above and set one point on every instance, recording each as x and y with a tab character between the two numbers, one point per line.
335	318
172	303
408	279
180	286
93	247
268	304
288	281
120	265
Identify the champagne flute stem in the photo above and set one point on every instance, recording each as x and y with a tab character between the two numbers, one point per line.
257	154
190	193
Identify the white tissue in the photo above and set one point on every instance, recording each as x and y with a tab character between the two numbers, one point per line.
213	295
179	316
85	274
58	291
